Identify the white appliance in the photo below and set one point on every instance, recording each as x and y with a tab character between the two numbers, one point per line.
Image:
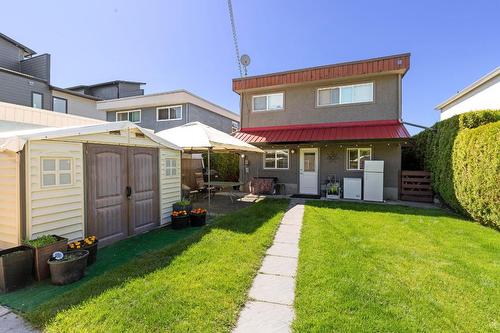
352	188
374	181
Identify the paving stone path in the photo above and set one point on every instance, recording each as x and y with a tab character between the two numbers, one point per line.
269	307
12	323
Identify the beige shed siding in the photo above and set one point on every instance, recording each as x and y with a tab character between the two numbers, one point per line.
56	210
170	186
114	139
10	233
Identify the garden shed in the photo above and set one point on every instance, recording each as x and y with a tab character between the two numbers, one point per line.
112	180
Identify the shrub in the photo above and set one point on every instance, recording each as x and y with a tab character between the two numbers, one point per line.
437	148
41	241
226	165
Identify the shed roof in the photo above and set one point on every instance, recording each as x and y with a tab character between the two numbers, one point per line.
15	140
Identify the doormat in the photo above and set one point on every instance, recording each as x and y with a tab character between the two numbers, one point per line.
306	196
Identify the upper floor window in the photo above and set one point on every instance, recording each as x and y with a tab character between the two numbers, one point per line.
267	102
276	159
169	113
133	116
235	127
37	100
59	105
356	93
356	158
57	171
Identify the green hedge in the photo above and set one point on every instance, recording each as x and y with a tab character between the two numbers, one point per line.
227	165
459	152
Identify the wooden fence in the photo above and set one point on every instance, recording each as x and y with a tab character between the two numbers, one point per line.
416	186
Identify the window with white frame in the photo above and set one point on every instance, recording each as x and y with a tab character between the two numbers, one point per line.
356	93
356	158
170	167
276	159
268	102
165	113
133	116
235	126
57	171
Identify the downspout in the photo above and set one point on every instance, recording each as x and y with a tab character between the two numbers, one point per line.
400	98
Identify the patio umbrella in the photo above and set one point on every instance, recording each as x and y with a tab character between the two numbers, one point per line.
196	137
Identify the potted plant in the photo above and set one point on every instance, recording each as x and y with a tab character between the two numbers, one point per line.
198	217
182	205
43	248
90	244
16	268
333	191
180	219
68	267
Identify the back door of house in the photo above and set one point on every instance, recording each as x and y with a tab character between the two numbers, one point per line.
308	173
122	191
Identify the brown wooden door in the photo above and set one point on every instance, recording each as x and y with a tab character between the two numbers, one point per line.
107	204
143	179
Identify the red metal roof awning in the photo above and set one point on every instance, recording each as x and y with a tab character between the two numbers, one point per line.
345	131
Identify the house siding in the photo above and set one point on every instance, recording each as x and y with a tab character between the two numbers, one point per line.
300	104
80	106
17	89
170	186
10	224
10	55
38	66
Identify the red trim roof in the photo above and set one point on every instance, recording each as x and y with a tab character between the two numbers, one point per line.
394	63
361	130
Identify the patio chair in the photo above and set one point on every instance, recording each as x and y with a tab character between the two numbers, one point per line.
202	187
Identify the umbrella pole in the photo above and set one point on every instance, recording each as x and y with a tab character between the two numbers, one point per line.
209	187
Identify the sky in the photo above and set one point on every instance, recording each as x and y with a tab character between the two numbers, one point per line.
187	44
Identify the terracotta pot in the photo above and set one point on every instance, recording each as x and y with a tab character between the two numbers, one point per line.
16	268
42	254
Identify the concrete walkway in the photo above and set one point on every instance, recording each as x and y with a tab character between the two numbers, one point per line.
12	323
270	304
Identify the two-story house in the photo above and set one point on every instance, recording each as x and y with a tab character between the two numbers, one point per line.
169	109
324	122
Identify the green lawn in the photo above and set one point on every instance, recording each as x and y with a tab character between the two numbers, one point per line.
379	268
199	283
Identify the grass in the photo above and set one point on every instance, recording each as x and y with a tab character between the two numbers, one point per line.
198	283
374	268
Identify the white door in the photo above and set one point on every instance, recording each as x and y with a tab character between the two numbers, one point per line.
308	179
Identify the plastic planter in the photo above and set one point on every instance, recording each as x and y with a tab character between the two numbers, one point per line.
68	271
16	268
180	222
42	254
177	208
92	252
198	220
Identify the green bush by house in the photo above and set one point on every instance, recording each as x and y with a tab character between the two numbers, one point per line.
226	165
463	155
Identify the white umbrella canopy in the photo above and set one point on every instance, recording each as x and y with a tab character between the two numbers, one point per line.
196	136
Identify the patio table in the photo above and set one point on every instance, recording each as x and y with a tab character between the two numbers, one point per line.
227	185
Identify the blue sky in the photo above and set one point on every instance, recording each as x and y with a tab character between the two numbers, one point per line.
188	44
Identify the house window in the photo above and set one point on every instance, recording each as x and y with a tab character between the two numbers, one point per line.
276	159
37	100
235	127
170	167
268	102
59	105
356	158
133	116
169	113
357	93
57	172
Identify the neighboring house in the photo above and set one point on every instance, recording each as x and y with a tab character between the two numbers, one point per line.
169	109
480	95
25	80
321	122
111	90
81	181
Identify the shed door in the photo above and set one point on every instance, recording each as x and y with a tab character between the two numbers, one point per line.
107	206
143	180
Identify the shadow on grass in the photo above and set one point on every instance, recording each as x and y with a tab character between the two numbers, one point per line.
247	221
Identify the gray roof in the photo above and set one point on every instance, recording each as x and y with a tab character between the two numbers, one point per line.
80	86
16	43
71	92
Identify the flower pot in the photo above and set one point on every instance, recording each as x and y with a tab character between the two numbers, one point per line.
16	268
177	208
68	271
92	252
42	254
180	222
198	220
